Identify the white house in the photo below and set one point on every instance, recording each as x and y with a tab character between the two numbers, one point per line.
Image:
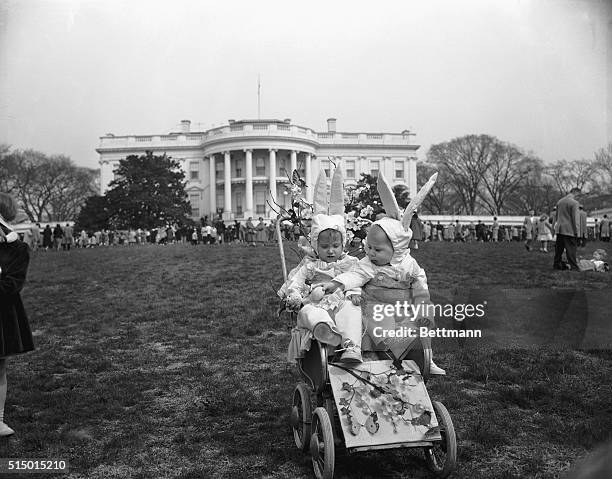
233	169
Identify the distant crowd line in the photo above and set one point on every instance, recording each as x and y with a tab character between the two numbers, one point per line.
534	229
209	232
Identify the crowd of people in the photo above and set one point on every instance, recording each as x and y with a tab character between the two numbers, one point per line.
535	229
64	237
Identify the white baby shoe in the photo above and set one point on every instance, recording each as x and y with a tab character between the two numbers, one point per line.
5	430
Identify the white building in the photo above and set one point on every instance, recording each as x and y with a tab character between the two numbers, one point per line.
232	169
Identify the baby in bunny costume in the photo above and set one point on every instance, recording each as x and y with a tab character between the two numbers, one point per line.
388	267
333	318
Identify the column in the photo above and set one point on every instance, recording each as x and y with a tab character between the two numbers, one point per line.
248	191
273	174
308	178
412	175
227	185
293	162
364	166
213	186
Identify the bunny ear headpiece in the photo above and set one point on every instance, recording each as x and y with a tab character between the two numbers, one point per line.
397	226
328	213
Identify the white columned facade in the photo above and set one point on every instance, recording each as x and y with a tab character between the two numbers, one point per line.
273	174
213	185
308	179
227	187
293	161
248	187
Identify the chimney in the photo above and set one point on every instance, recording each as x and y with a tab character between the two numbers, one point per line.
185	126
287	120
331	125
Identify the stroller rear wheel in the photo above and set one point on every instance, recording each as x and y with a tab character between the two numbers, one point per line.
441	458
301	416
322	445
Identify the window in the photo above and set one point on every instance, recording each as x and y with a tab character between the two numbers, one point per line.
195	212
399	169
374	167
260	202
350	168
220	202
194	198
194	170
239	204
260	167
282	166
238	168
219	169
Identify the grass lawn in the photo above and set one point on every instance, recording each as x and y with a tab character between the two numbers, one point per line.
169	361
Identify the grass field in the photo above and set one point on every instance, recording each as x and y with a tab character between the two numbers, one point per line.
168	361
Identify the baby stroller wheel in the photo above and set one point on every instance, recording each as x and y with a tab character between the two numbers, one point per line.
301	416
322	445
441	458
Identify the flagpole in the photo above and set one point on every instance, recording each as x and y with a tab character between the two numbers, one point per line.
258	97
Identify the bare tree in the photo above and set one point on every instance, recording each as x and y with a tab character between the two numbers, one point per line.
572	174
441	197
465	160
48	188
537	191
508	167
603	161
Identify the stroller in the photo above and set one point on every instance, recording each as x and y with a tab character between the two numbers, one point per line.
380	404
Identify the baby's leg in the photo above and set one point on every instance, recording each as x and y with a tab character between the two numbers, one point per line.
348	320
320	323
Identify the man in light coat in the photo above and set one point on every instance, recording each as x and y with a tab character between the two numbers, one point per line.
583	227
567	228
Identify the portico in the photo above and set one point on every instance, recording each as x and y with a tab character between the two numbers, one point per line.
247	186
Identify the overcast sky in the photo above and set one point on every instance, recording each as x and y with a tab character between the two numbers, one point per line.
531	72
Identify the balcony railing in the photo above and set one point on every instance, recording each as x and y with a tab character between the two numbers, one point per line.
258	130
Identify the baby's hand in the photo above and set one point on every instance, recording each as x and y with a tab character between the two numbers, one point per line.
331	286
317	294
356	299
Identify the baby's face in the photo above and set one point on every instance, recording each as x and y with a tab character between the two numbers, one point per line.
379	248
329	246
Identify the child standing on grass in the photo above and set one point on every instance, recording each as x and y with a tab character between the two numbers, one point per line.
388	263
330	318
15	335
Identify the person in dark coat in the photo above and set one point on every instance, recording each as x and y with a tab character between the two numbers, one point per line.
416	225
47	237
15	334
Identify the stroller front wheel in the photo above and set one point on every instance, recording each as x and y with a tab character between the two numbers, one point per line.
301	416
322	445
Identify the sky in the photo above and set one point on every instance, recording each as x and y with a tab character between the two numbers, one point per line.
534	73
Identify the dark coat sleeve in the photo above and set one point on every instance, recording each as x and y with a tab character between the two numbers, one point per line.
14	271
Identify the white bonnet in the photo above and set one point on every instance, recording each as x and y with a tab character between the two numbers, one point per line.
399	237
326	222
